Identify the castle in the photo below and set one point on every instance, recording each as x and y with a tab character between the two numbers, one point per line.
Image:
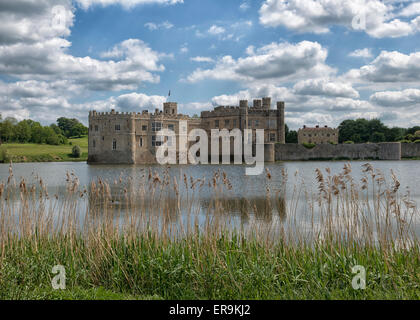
131	138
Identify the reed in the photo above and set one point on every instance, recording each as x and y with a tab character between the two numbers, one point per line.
176	238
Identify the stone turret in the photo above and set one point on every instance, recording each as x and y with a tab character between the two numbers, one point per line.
170	108
281	130
243	120
266	102
257	104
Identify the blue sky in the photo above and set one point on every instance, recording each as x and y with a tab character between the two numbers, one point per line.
64	58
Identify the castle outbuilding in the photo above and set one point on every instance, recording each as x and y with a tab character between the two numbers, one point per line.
318	135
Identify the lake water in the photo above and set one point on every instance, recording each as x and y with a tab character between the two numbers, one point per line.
248	188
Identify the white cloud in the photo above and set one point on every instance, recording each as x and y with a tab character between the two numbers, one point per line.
397	99
216	30
392	67
244	6
202	59
184	48
361	53
86	4
411	10
153	26
325	87
283	61
317	16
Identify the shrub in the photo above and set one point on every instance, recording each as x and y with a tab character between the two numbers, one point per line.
405	141
349	142
417	141
4	155
76	152
309	145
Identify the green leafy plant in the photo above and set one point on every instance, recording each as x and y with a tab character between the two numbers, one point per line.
309	145
76	152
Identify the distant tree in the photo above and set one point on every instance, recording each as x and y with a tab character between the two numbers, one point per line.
7	128
71	127
363	130
56	129
23	131
291	135
378	137
78	130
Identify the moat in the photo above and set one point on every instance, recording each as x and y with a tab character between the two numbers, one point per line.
245	193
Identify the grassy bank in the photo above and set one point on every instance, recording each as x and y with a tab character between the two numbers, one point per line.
30	152
150	252
198	268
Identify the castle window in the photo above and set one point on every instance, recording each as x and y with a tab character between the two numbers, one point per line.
156	126
117	127
227	122
114	144
141	142
144	128
234	123
94	143
103	138
328	135
155	143
96	128
90	127
257	123
173	111
272	137
216	123
171	127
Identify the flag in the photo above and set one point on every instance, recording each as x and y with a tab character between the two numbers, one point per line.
169	94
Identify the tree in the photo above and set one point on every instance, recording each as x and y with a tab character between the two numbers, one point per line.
378	137
23	131
362	131
78	130
291	135
8	129
71	127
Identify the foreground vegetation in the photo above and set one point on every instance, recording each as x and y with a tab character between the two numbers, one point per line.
31	152
131	243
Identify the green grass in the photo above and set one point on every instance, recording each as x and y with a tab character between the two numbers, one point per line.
195	268
30	152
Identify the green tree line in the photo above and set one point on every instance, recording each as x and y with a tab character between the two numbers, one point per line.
363	130
29	131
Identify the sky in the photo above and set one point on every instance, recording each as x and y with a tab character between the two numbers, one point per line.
329	60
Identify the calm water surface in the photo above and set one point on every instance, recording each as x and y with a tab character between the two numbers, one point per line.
243	187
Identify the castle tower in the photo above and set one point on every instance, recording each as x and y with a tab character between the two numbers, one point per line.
257	104
170	108
266	102
243	120
281	126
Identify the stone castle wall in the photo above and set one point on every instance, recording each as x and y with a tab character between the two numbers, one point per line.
379	151
410	150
